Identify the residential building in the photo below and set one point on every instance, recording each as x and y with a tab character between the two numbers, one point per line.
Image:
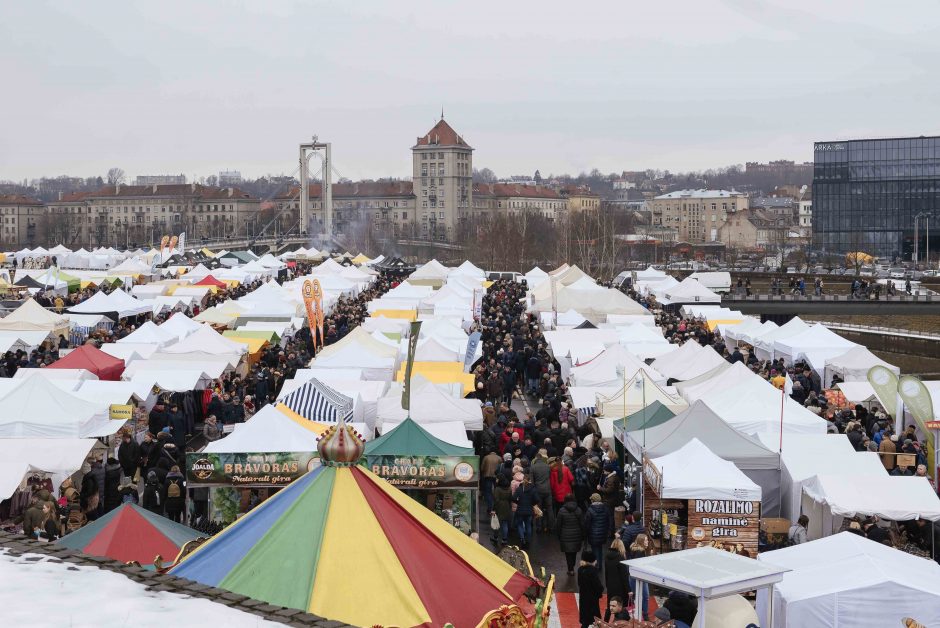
805	222
442	174
128	215
513	199
19	218
754	228
782	168
580	198
160	179
867	194
229	177
696	214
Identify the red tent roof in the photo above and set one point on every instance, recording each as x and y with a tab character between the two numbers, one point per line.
90	358
209	280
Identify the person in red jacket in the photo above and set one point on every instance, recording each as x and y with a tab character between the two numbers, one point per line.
562	482
511	438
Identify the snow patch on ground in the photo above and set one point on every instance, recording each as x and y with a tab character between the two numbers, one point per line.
38	592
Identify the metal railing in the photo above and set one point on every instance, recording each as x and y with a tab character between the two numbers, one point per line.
883	331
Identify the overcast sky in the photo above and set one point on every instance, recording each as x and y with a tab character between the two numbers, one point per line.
200	86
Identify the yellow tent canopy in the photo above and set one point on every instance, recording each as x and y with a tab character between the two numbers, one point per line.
715	323
408	315
360	259
254	344
440	373
314	426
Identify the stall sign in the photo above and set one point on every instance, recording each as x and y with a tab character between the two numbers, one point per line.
247	469
724	523
426	471
121	412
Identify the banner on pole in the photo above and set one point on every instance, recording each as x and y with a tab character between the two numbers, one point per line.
917	398
406	385
318	305
478	303
472	343
307	293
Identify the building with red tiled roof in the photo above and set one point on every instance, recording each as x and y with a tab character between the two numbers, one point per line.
442	134
442	172
580	198
128	215
513	198
19	217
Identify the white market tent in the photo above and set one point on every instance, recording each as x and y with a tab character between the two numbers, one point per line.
149	333
59	457
764	343
695	472
849	580
757	461
817	340
696	387
431	273
713	280
827	499
805	455
611	368
594	304
686	291
859	392
374	366
37	408
535	277
638	392
268	431
752	405
129	351
468	269
180	325
853	365
117	301
31	316
429	404
689	361
207	340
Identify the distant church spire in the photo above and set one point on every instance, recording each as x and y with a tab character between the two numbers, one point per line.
442	112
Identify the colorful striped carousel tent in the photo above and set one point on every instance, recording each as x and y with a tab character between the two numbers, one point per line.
342	543
316	401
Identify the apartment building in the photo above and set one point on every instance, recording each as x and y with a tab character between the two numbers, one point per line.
19	219
696	214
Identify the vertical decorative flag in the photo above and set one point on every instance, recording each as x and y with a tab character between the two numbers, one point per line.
478	303
406	385
318	304
163	242
472	343
183	242
917	398
885	384
307	292
173	242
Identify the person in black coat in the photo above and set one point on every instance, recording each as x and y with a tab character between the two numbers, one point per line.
129	455
148	453
157	419
569	527
177	423
616	574
174	489
153	493
590	590
112	483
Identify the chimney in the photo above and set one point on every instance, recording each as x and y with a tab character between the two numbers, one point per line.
192	187
231	192
60	195
154	188
117	189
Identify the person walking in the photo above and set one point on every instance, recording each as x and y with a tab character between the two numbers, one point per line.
569	526
590	589
562	482
502	506
598	523
616	574
540	473
526	498
638	549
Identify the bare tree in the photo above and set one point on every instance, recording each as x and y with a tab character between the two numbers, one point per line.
115	176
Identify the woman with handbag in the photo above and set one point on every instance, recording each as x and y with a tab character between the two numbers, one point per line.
526	499
502	510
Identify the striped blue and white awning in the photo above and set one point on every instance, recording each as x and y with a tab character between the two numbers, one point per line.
316	401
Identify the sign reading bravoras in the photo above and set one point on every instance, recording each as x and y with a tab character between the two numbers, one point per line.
247	469
426	471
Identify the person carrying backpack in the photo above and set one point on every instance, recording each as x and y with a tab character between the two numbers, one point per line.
173	489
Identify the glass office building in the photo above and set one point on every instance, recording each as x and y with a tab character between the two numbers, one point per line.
866	194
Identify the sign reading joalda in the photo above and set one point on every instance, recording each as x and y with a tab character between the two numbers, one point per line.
426	471
247	469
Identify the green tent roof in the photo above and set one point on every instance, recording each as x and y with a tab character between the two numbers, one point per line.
650	416
410	439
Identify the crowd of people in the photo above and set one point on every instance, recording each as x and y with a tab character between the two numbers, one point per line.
150	472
